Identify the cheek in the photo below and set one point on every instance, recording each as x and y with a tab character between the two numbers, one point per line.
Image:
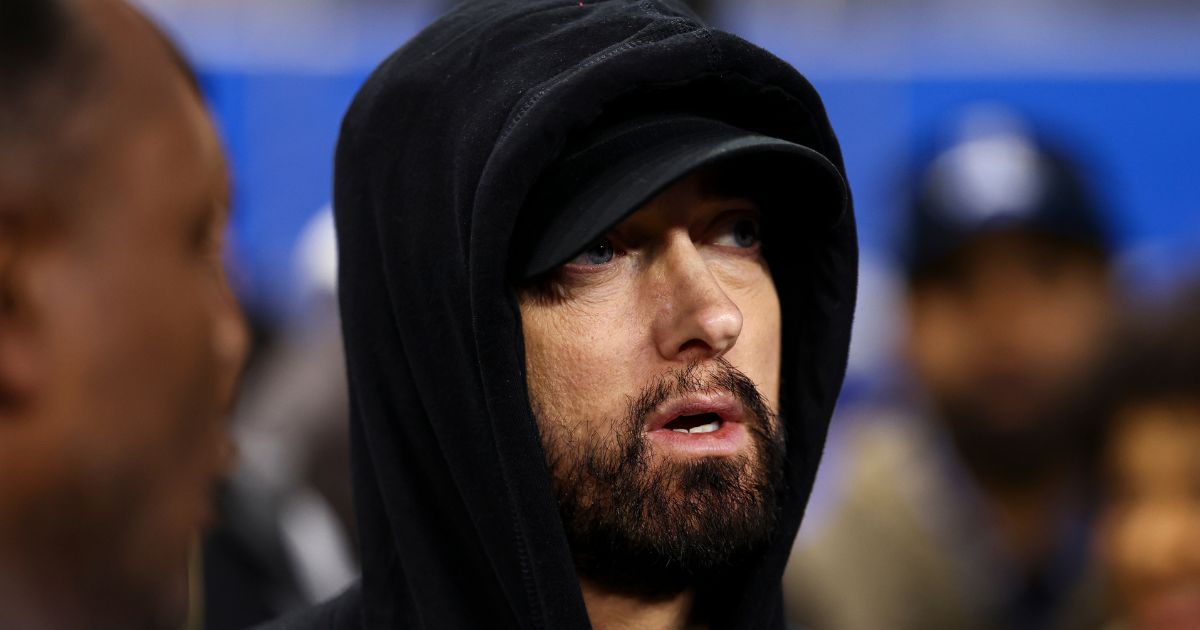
161	343
1070	328
939	341
125	342
757	352
165	390
135	374
578	362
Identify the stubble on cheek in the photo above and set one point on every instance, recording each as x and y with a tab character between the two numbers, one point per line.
573	382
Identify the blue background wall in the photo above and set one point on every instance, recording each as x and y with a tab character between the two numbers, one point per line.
1135	120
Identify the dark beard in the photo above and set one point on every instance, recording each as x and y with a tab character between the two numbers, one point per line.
655	528
1019	455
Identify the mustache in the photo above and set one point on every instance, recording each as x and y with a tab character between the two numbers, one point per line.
653	528
700	376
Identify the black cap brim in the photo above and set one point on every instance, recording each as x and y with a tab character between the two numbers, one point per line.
620	169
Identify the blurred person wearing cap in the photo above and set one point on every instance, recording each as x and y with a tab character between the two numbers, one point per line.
1150	523
967	503
120	340
596	270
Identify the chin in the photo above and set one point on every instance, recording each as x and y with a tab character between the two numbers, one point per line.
159	582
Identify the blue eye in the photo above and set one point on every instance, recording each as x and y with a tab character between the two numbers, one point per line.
742	233
745	233
598	253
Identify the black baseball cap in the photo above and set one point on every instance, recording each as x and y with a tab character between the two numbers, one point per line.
998	175
612	171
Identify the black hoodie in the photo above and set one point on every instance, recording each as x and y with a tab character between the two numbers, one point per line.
459	525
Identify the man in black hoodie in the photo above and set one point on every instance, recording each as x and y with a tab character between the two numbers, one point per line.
597	271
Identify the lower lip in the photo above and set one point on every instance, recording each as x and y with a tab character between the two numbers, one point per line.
727	440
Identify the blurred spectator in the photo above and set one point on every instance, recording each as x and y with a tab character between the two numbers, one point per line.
1151	522
284	536
967	505
120	341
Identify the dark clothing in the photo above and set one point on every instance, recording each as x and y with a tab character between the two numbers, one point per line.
458	523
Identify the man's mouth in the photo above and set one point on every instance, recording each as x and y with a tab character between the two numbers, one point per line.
709	423
700	423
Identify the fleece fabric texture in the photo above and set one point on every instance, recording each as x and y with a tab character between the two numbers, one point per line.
458	523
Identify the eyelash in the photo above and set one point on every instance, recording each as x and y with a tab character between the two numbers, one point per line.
732	223
575	267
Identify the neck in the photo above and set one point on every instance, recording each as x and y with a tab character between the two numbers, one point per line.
614	610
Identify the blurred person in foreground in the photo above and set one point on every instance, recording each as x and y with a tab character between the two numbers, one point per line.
120	340
597	271
969	504
1150	534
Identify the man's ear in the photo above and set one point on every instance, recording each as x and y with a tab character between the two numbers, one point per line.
20	352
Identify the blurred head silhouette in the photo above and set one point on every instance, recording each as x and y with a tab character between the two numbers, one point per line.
1151	524
1010	297
119	337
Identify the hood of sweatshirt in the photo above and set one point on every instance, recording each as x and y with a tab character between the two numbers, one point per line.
459	526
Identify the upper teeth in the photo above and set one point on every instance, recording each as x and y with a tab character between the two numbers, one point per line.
704	428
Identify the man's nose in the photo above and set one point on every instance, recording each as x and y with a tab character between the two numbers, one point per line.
695	319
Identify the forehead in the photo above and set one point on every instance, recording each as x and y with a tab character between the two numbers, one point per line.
148	137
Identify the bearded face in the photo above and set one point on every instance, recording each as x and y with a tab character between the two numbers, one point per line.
652	364
645	521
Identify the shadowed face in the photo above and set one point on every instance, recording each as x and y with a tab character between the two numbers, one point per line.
120	349
1002	333
653	364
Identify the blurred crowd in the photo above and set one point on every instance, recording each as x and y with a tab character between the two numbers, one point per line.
1031	461
967	497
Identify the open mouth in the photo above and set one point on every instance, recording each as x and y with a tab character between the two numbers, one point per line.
699	423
